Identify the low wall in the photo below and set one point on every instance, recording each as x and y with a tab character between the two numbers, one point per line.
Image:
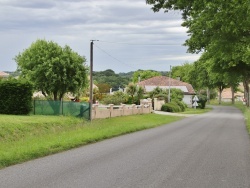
100	111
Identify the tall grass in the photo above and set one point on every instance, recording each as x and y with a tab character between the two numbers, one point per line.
24	138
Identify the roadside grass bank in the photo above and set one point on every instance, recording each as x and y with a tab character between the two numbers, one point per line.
23	138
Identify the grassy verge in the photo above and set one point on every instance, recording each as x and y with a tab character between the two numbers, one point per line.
23	138
196	111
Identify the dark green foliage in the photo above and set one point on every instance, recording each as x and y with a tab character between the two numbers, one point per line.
162	96
176	94
157	92
117	98
202	101
52	69
213	93
170	107
112	79
181	104
144	75
15	96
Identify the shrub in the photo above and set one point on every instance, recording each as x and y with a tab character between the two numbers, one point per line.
182	105
202	101
170	107
116	99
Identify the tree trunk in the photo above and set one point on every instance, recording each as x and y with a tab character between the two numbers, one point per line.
220	91
232	90
246	91
208	96
247	95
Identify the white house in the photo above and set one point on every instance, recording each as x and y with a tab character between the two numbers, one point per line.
166	83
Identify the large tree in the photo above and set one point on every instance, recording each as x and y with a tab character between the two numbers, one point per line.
220	28
53	69
141	75
183	72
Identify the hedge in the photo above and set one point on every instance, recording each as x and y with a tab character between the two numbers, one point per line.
15	97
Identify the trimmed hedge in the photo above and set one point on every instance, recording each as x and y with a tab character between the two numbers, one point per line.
15	97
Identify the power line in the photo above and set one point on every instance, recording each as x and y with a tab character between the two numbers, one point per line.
140	44
113	56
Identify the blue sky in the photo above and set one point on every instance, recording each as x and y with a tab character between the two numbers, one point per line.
131	36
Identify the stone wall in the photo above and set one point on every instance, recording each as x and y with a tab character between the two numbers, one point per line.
99	112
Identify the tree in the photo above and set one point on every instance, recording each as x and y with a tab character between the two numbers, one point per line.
131	90
144	74
176	94
220	28
109	77
184	72
52	69
208	21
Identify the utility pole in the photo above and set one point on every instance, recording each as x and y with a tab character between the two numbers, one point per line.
169	98
91	79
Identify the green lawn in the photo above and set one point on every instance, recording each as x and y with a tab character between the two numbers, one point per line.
24	138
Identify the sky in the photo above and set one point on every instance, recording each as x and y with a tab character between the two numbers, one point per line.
129	35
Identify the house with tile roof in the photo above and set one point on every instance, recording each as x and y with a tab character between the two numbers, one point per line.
4	74
166	83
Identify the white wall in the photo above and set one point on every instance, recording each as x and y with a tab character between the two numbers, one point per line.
188	100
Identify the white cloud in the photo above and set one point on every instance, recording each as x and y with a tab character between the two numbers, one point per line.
76	22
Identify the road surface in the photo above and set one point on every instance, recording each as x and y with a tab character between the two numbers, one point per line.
204	151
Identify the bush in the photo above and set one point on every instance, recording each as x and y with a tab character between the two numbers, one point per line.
15	97
202	101
170	107
116	99
182	105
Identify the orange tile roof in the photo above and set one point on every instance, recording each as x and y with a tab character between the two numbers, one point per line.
164	81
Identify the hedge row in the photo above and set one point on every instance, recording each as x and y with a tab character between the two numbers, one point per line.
15	96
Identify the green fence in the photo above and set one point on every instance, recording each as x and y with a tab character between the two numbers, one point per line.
69	108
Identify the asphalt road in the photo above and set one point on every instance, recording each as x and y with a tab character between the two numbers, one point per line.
205	151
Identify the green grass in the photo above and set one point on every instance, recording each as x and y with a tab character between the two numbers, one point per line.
23	138
196	111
